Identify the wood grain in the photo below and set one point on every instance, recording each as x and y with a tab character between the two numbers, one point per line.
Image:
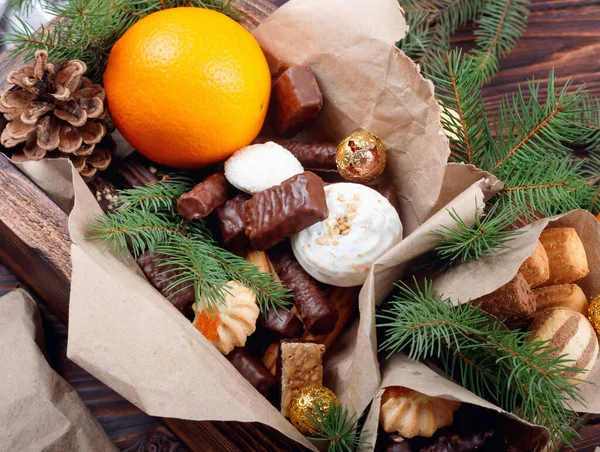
34	243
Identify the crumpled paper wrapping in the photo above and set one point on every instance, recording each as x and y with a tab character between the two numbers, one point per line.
39	411
126	334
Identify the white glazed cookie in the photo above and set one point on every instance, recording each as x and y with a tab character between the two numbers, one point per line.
257	167
234	320
361	226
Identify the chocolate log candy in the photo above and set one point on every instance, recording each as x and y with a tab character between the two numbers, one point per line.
315	309
161	277
104	192
250	367
204	197
454	442
514	300
281	322
296	100
300	365
281	211
388	191
136	171
230	217
313	155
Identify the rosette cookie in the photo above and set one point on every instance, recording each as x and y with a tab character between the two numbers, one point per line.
361	226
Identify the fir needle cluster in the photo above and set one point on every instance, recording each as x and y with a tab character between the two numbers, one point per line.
499	25
146	219
337	426
504	366
87	30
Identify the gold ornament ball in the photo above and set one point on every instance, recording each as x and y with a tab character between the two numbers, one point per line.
305	401
361	157
594	314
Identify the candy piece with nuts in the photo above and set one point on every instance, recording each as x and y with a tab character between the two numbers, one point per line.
341	250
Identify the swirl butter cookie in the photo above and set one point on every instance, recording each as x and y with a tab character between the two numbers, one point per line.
361	226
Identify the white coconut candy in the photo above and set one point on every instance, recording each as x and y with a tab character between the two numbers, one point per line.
257	167
361	226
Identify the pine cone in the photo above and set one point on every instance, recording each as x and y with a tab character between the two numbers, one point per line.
56	112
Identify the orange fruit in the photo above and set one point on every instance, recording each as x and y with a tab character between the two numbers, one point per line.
187	87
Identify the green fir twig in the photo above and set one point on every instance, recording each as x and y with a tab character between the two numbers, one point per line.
463	241
336	426
521	375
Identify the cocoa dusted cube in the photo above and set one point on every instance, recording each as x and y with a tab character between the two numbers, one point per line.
296	100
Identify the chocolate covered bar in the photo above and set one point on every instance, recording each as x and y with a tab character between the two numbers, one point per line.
296	100
281	211
204	197
161	277
313	155
253	370
136	171
104	192
300	364
514	300
230	218
315	309
283	323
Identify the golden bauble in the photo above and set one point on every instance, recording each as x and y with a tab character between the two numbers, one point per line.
305	401
594	314
360	157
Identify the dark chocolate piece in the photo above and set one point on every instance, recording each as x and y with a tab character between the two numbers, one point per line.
296	100
453	442
402	446
313	155
230	217
282	322
317	312
161	277
513	301
253	370
279	212
136	171
204	197
389	192
104	192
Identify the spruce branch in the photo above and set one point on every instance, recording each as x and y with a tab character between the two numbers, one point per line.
147	221
336	426
87	30
523	376
462	104
463	242
499	27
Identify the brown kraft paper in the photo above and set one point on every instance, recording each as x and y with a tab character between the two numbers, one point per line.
39	411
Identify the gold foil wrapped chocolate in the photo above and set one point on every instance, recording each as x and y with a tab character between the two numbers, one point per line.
594	314
305	402
361	157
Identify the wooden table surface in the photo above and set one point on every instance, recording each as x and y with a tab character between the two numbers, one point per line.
564	34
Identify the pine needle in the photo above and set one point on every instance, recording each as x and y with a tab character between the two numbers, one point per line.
504	366
147	221
464	117
336	426
463	242
499	27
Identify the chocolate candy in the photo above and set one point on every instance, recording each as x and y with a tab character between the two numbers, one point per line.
104	192
281	211
453	442
204	197
250	367
230	217
281	322
161	277
317	312
313	155
389	192
136	171
296	100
